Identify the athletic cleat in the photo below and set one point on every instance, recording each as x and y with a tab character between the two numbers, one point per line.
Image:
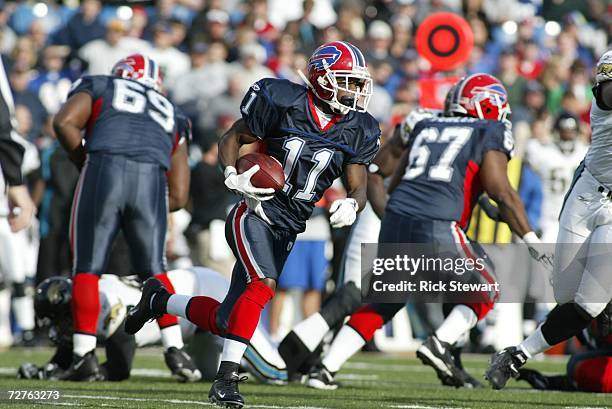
438	355
141	313
294	353
505	364
181	365
83	369
321	378
468	380
224	391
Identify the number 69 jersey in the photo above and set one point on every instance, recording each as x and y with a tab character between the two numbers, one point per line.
129	119
282	114
441	179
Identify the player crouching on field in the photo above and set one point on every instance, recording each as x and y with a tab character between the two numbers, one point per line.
117	296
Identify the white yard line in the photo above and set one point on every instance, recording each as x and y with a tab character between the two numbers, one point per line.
181	401
423	407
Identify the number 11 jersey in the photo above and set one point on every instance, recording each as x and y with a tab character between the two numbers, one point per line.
129	119
283	116
441	180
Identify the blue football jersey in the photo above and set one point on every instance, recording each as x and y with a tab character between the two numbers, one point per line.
282	115
441	179
129	119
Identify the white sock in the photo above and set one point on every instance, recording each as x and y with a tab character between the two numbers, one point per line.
6	335
459	321
233	350
24	312
83	343
534	343
346	344
177	305
312	330
172	337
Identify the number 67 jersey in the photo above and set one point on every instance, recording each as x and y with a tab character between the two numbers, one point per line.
129	119
313	153
441	180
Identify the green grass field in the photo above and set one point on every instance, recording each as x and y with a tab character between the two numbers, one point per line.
369	381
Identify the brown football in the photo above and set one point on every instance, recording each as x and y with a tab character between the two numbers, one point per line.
270	173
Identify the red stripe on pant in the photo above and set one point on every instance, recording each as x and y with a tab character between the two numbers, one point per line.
246	312
242	252
481	309
85	303
166	320
366	321
73	212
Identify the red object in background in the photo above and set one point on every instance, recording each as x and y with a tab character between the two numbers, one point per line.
445	40
270	173
434	90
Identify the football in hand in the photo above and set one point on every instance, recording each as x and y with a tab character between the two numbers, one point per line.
270	173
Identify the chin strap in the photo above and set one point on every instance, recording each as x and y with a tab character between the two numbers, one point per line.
336	107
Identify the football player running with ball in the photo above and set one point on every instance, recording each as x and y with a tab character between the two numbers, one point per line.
581	279
318	133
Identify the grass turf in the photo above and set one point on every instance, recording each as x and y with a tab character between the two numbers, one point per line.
369	381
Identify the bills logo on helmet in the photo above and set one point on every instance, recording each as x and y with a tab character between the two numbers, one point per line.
495	93
325	57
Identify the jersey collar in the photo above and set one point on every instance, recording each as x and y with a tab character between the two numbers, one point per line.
315	116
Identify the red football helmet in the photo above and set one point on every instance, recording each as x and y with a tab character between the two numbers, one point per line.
139	67
340	66
480	96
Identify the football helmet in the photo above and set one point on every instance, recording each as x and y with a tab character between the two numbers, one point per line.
339	68
139	67
603	75
52	299
480	96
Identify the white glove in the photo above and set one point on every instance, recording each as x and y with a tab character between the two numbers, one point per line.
343	212
241	184
533	242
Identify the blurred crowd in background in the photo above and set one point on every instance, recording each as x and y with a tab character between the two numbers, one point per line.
211	51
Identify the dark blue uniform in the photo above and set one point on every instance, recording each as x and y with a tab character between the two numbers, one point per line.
130	137
441	180
434	200
282	115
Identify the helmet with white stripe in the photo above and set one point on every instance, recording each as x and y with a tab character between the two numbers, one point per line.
141	68
604	68
338	75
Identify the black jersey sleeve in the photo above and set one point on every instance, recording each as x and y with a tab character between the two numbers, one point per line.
92	85
259	108
498	137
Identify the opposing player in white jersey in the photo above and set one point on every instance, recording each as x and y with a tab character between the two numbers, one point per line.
19	252
582	281
555	162
117	296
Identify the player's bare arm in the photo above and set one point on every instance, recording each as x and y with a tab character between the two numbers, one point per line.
357	182
383	165
229	145
493	176
69	122
178	179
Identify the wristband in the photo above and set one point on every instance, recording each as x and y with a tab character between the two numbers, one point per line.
531	238
229	170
